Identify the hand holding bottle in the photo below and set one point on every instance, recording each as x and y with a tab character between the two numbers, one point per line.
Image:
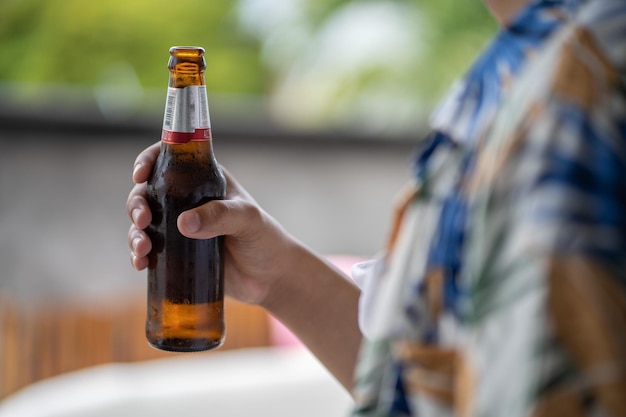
258	252
265	266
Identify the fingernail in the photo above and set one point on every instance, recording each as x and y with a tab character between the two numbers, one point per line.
135	215
136	243
190	221
136	168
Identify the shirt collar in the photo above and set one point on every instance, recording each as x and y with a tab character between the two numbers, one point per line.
470	106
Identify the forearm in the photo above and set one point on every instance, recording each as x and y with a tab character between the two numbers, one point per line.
320	306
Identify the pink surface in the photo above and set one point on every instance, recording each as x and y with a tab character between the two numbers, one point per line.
281	335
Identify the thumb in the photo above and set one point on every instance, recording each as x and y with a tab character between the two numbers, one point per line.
215	218
189	223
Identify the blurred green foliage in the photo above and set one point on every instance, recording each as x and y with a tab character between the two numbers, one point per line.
456	32
74	41
95	42
450	33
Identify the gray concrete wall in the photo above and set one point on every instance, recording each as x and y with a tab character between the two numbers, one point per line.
63	224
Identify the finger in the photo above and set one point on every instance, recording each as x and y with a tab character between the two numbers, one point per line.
139	242
142	168
137	207
218	218
139	263
140	246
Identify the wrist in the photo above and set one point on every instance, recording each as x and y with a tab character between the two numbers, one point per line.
320	306
293	278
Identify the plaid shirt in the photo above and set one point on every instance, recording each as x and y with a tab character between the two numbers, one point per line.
503	288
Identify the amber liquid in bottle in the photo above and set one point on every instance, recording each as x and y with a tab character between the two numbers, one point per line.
185	276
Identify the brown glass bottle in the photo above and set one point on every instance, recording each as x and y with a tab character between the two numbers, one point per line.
185	276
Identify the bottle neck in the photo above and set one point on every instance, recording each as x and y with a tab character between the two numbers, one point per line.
186	115
196	149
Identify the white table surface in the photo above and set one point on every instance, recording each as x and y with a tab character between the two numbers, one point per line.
250	382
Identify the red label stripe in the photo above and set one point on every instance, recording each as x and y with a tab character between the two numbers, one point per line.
184	137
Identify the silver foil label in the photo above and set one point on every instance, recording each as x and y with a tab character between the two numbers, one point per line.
186	109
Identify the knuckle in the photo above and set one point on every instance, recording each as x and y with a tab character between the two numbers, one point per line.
251	211
135	200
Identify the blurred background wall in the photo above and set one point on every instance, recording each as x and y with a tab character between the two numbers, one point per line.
316	107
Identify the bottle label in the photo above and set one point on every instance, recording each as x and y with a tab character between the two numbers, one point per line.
186	115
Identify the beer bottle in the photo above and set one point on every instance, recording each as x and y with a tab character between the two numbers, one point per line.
185	276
